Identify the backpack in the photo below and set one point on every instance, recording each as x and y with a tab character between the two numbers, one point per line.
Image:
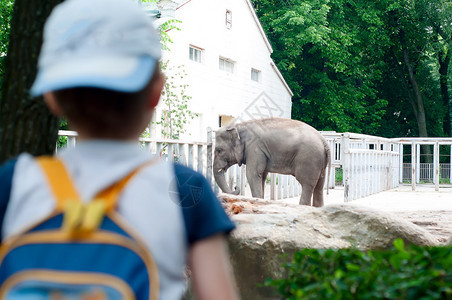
78	252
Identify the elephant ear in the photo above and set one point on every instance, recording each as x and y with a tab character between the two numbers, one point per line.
237	145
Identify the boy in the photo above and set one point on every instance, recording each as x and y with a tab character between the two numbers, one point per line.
98	67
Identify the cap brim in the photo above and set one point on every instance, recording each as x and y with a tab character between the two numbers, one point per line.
121	74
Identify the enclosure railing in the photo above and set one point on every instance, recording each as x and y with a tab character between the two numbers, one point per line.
416	167
196	155
369	164
426	172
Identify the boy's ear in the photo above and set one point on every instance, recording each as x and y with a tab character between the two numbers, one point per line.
156	91
52	104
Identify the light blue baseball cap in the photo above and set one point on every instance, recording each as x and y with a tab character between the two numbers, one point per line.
110	44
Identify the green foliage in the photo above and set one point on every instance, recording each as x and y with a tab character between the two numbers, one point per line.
174	98
330	53
62	140
165	27
339	176
402	272
176	113
363	66
6	9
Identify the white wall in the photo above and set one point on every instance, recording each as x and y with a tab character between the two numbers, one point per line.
215	92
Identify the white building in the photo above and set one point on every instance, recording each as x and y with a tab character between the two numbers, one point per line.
226	55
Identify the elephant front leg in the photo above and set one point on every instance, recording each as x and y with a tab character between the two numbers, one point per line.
255	181
255	176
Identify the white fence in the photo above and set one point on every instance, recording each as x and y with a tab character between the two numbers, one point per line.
426	172
197	155
369	164
416	165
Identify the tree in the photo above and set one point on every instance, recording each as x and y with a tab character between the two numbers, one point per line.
330	53
415	79
439	17
378	67
6	8
175	101
25	123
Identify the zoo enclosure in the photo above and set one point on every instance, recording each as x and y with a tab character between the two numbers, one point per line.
369	164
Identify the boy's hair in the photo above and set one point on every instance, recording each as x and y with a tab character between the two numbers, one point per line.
105	113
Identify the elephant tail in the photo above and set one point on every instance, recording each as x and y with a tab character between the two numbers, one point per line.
328	164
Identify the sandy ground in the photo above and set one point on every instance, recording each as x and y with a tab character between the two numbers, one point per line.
400	199
424	207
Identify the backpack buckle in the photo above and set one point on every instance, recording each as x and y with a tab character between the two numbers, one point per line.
83	218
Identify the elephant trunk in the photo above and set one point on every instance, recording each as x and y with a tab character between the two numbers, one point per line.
221	181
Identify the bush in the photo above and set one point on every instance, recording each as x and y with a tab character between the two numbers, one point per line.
411	272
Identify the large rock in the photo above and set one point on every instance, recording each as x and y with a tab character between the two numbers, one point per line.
266	231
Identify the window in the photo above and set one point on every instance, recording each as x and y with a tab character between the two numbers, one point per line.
226	65
228	19
195	53
225	120
255	75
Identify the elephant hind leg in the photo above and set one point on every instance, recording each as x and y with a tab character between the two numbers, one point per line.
317	200
306	194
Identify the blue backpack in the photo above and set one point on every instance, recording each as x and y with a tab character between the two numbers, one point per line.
79	252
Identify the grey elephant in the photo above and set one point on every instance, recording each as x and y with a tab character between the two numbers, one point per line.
274	145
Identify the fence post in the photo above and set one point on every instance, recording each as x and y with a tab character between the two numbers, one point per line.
159	149
401	163
279	185
418	163
200	166
285	186
170	151
436	165
190	156
181	154
345	155
413	166
272	186
71	141
242	180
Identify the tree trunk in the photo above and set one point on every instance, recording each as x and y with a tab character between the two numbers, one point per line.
419	101
444	60
25	123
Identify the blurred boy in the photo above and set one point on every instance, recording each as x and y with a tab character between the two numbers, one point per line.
99	68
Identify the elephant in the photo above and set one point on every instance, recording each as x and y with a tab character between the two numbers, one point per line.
274	145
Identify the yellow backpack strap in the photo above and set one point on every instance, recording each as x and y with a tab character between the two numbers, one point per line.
64	191
110	195
59	181
80	218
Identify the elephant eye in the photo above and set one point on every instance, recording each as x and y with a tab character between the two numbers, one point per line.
219	150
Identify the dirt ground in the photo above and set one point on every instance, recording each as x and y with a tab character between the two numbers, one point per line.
424	207
438	223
